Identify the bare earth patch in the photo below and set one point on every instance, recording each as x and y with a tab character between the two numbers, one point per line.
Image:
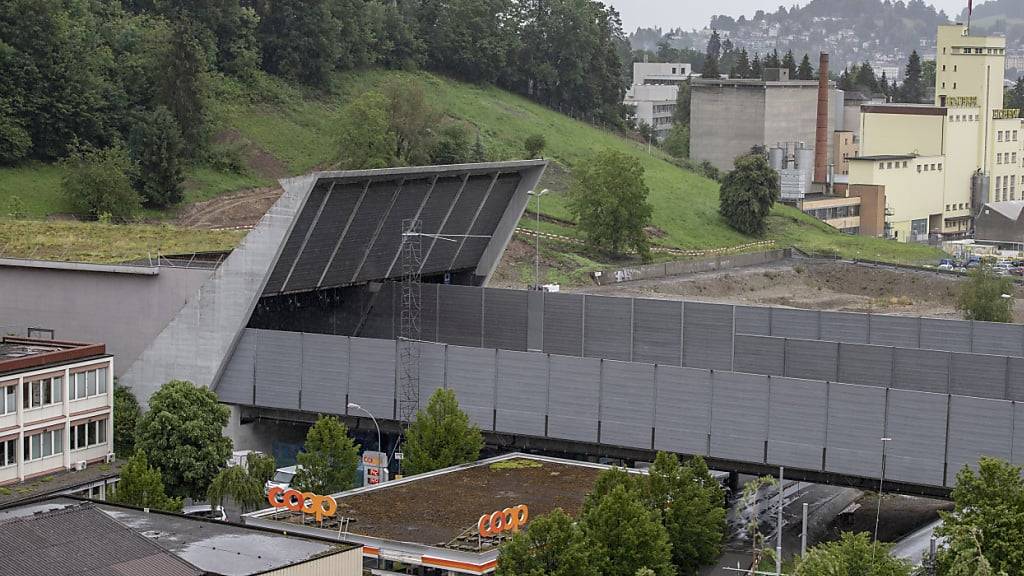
242	209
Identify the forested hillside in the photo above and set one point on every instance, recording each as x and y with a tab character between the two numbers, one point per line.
145	107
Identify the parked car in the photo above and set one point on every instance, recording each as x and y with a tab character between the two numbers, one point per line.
241	458
207	512
282	478
946	264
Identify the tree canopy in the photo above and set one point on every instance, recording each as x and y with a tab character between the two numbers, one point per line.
852	554
748	193
987	517
553	545
328	459
609	199
982	296
141	485
182	434
126	417
625	535
440	436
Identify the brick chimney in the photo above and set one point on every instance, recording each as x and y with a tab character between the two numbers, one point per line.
821	135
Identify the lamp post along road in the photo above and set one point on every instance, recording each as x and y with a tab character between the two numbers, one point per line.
881	479
380	446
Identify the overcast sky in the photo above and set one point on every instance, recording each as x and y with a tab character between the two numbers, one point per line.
697	13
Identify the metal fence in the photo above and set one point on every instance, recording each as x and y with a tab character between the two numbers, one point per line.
809	424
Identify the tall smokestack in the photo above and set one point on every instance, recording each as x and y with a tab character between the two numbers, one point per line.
821	136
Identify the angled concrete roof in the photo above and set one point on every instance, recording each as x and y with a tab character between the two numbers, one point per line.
1010	209
332	229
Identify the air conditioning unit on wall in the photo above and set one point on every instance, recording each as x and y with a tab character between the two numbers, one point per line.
80	465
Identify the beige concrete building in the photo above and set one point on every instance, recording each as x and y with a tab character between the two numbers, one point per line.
654	92
845	145
55	407
939	164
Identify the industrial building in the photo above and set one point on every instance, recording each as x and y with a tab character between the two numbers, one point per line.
56	408
940	164
728	117
654	92
69	536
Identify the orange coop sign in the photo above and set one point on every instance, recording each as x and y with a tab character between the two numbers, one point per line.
305	502
507	520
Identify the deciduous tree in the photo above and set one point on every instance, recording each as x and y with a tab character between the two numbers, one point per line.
852	554
182	433
551	545
609	200
236	483
440	436
625	535
365	139
328	459
141	485
98	183
534	145
452	146
986	296
748	193
988	513
126	417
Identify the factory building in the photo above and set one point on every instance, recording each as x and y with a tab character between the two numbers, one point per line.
940	163
730	116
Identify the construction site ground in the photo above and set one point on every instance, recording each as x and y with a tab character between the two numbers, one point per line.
810	284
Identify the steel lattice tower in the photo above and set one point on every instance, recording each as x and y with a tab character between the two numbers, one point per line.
410	327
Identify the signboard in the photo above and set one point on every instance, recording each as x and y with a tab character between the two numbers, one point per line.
305	502
962	102
1006	114
375	465
507	520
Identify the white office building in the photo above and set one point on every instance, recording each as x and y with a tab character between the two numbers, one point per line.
654	91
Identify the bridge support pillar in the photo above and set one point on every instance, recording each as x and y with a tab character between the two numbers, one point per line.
734	483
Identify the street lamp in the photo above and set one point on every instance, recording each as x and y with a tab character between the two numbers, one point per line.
878	510
380	447
536	273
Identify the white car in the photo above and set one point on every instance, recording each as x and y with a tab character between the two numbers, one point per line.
282	478
206	511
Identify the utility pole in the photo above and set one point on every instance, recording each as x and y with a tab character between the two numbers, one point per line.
410	326
778	535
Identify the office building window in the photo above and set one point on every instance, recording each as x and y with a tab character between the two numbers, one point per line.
940	167
87	384
1014	158
999	136
904	163
42	392
8	452
947	207
88	434
881	165
1014	135
999	158
9	401
918	168
43	445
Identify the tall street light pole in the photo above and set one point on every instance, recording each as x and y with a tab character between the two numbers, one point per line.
380	447
881	479
536	272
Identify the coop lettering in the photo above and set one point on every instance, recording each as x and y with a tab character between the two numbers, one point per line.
507	520
305	502
962	101
1005	114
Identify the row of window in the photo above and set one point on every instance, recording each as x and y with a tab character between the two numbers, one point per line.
959	50
1006	158
964	118
48	391
929	167
960	206
661	108
890	165
944	85
1006	184
834	212
51	442
1004	136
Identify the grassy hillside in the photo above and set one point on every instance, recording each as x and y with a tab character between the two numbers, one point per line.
283	130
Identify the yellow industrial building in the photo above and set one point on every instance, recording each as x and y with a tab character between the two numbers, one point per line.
939	164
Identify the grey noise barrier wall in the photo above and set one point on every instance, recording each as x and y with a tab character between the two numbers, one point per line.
804	423
923	354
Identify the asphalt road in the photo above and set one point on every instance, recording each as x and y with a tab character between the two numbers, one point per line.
916	546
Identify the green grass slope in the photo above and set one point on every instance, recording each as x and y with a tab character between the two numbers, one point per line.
297	129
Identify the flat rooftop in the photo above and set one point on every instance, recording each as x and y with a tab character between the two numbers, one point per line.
177	542
441	509
22	354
